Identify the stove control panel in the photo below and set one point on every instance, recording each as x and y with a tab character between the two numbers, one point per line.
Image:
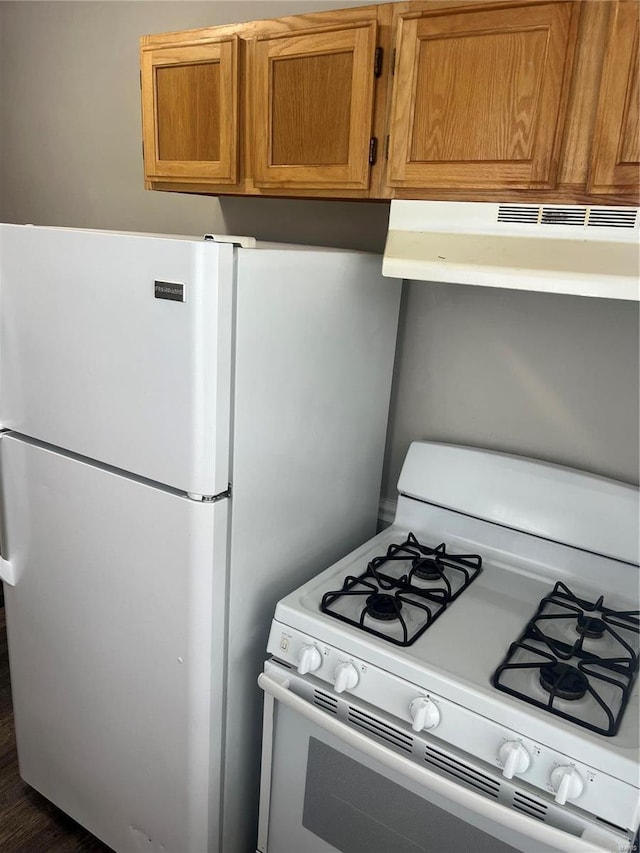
308	655
425	707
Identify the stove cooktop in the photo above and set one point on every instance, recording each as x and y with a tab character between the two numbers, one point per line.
459	620
575	658
402	592
456	657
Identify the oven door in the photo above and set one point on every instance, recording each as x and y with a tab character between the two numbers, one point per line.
327	787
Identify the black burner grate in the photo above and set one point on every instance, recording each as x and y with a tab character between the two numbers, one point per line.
560	647
395	606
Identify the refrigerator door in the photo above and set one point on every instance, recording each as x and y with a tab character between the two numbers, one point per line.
117	347
116	642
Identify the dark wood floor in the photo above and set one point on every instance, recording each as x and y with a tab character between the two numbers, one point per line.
28	822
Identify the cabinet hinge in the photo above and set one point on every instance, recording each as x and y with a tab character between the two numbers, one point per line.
393	62
373	150
386	148
377	62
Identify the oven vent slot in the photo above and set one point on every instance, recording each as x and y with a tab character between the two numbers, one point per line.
325	701
612	217
520	213
382	730
529	806
463	772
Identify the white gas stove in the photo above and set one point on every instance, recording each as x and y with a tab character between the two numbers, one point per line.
491	634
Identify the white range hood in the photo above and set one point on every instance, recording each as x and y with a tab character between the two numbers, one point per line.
586	251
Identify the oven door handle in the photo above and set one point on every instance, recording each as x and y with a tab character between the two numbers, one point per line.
526	826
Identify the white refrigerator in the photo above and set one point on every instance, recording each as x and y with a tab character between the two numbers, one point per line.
189	430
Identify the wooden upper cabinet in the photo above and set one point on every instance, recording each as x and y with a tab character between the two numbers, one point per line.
480	95
312	106
615	164
480	100
190	111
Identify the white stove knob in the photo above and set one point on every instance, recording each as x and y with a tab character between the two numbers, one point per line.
309	659
514	758
567	783
346	676
424	713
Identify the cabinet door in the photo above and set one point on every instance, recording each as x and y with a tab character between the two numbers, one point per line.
313	107
480	96
190	111
615	164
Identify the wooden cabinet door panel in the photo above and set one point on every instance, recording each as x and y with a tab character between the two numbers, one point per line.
479	98
615	165
190	111
313	107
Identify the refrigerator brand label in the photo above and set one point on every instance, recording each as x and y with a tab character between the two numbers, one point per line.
169	290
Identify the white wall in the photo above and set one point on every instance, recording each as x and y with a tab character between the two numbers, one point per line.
550	376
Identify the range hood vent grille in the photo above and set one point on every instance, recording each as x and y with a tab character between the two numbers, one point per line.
563	216
602	217
612	217
510	213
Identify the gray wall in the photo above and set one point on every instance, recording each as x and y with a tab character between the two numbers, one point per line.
549	376
2	194
544	375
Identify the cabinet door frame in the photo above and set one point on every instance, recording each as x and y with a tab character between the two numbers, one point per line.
609	172
361	39
223	51
539	172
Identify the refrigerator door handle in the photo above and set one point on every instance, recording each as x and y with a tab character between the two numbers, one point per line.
8	573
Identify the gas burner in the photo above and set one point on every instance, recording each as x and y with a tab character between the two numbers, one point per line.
401	593
383	606
413	566
426	569
563	681
573	649
590	626
399	617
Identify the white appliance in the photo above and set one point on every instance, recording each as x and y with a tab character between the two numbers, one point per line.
188	429
467	679
581	250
